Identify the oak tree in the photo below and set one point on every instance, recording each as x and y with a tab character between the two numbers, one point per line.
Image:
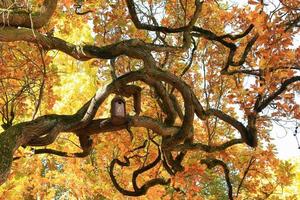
203	81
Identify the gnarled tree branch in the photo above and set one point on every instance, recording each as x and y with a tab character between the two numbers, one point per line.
138	191
22	18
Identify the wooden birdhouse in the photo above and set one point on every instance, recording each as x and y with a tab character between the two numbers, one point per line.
118	110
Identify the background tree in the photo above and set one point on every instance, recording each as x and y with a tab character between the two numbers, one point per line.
203	82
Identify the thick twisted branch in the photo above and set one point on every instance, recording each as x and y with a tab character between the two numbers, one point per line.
15	17
138	191
44	130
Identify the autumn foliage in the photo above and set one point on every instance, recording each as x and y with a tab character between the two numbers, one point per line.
203	83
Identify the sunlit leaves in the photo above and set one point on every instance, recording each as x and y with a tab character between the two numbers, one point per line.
68	84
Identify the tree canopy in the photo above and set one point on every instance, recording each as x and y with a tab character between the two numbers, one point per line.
203	83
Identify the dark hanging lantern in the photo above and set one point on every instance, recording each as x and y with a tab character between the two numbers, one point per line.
118	110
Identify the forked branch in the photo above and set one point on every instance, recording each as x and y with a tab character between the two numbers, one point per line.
137	191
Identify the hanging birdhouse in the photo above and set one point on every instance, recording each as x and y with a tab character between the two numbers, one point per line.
118	111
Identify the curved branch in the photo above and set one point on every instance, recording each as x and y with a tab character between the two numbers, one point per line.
272	96
154	125
186	92
51	125
85	143
245	53
11	17
211	163
195	30
62	153
167	103
85	52
238	36
133	48
185	29
204	147
139	25
245	134
176	106
138	191
199	32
